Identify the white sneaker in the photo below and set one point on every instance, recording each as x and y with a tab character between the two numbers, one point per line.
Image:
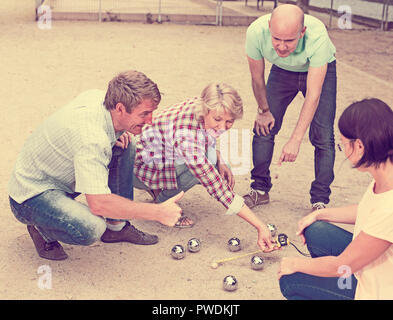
318	206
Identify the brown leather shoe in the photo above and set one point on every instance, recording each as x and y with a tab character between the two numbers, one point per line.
254	198
47	250
129	234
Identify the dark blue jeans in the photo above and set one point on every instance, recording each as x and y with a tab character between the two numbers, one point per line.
281	88
184	178
58	216
323	239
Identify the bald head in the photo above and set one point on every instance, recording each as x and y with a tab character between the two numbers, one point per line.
286	26
288	16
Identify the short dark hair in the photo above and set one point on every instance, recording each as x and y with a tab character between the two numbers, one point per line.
371	121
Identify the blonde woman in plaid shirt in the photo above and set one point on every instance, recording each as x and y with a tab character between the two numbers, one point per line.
177	151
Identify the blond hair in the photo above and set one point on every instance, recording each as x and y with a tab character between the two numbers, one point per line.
130	88
221	97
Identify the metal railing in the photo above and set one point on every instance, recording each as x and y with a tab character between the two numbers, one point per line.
110	10
213	12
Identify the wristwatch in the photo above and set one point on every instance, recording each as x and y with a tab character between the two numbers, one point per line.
261	111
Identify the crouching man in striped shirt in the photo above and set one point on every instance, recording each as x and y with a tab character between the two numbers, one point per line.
84	148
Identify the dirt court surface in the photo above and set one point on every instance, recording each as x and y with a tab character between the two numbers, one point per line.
41	70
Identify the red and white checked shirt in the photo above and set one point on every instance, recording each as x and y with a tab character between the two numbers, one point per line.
176	136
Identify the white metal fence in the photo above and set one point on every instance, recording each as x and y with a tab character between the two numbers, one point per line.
213	12
129	6
209	11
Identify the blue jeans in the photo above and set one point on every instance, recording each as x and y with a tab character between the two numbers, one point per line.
323	239
59	217
184	178
281	88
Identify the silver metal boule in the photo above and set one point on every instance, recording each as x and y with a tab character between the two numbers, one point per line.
194	245
234	244
230	283
273	229
256	263
178	252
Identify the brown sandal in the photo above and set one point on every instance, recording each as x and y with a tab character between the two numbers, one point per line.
182	222
153	193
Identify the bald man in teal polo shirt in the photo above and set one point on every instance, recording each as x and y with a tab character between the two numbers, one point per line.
303	59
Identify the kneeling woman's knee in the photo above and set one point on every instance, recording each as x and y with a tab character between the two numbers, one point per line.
285	286
314	230
290	285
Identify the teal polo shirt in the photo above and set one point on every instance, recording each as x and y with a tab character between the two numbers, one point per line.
315	49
